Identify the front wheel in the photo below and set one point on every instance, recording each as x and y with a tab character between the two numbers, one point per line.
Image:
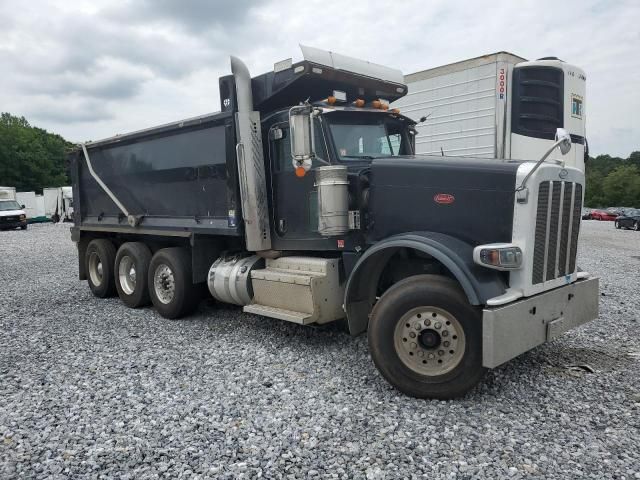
426	339
636	226
616	224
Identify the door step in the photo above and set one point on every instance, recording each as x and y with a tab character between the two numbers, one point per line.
280	313
298	289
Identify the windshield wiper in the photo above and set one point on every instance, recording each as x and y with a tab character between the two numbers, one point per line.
365	157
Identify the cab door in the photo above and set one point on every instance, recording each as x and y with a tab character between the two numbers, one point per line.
294	199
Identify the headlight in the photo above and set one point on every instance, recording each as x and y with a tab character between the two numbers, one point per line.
23	217
501	256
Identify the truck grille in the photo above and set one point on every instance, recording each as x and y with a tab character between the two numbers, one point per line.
557	227
9	219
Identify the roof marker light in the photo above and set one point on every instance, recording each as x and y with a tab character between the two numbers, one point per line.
359	103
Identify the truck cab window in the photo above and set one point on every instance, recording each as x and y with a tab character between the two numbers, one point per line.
357	138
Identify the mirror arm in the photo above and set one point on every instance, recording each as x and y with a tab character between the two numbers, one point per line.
521	190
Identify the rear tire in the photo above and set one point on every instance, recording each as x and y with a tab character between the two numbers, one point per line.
99	262
426	339
171	288
131	274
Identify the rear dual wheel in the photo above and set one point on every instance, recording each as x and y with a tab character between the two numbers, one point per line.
131	269
140	278
99	262
426	339
170	283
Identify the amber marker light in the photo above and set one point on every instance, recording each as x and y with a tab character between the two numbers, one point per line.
300	172
359	103
331	100
376	104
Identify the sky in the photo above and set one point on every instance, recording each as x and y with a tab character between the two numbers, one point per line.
92	69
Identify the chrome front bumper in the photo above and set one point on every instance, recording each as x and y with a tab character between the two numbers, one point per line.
509	330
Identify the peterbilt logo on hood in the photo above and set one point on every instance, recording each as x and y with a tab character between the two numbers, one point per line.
444	198
563	174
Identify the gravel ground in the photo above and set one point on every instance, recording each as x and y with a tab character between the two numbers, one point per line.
91	389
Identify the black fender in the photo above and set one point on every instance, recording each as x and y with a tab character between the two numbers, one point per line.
478	283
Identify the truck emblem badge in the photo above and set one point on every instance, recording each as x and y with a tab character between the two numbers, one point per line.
563	174
444	198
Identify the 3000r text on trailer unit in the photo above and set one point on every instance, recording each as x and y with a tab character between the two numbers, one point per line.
302	200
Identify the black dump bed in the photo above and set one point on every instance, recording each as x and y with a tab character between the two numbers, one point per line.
178	177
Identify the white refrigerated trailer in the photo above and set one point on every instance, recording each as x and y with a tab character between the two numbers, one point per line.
33	206
497	106
58	203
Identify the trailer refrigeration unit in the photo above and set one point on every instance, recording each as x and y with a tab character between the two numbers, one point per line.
302	200
498	106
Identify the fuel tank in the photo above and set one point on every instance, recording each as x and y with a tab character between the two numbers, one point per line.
471	199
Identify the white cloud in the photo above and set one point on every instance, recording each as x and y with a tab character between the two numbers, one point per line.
88	69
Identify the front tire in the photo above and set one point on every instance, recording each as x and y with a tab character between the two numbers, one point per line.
131	271
636	226
426	339
99	262
171	288
616	224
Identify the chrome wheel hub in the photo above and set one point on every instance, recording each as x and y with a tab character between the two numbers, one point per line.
430	341
95	269
164	283
127	274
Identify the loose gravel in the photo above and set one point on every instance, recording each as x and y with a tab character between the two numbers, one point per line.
91	389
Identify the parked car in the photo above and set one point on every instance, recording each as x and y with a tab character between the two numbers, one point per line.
631	219
603	215
586	214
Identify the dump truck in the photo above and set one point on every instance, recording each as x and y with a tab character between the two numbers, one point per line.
499	105
302	199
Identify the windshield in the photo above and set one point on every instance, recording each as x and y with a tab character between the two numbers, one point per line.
9	205
363	137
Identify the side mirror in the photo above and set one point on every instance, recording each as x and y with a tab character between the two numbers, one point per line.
22	206
564	138
301	138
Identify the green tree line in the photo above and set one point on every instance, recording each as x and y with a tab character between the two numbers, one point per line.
31	158
613	181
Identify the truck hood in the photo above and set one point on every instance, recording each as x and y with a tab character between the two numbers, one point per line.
471	199
11	213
